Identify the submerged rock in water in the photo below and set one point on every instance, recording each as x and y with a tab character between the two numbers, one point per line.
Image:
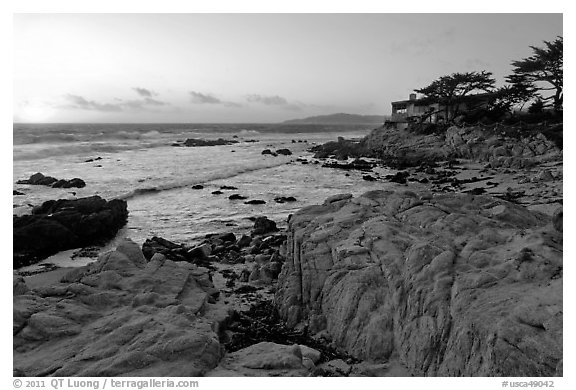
285	199
255	201
237	197
62	224
40	179
455	285
121	315
192	142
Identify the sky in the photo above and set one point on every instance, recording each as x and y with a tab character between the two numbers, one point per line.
249	68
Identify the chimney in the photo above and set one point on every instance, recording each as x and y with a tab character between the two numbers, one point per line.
412	96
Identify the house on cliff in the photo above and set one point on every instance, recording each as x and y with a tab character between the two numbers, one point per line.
430	110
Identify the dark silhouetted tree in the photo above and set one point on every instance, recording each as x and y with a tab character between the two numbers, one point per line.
512	96
450	91
543	71
536	107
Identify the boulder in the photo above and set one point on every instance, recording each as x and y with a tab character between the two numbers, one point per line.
237	197
40	179
244	241
557	219
119	316
454	284
194	142
63	224
72	183
255	201
263	225
262	359
285	199
169	249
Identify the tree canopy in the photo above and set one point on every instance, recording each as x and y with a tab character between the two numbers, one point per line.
542	71
451	90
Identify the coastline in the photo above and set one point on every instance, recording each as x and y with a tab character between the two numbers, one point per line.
242	285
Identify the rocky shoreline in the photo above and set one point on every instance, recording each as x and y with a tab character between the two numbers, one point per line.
454	269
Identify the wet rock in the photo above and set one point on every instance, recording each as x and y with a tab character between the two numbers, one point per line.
285	199
237	197
228	188
255	201
255	273
16	193
119	316
197	187
57	225
368	178
93	159
399	177
40	179
201	252
225	237
217	192
284	152
263	225
72	183
269	152
194	142
244	275
244	241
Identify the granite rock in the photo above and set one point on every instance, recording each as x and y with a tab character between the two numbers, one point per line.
122	315
454	285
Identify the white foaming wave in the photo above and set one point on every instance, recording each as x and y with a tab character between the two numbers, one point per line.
202	180
84	148
248	132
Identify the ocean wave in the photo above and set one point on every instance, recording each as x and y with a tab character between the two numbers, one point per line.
248	132
36	153
201	180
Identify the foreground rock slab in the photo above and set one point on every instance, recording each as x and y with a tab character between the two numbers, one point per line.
119	316
454	285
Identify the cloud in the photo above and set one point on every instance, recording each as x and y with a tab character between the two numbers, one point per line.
202	98
275	100
145	92
267	100
81	103
205	98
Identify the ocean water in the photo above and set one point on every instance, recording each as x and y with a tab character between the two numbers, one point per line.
139	164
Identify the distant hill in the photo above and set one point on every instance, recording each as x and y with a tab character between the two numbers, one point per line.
339	119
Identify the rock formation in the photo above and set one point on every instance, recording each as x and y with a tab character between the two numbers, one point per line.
453	285
119	316
62	224
40	179
403	148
